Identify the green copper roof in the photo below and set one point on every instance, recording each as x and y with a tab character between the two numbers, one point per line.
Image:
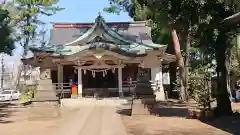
100	36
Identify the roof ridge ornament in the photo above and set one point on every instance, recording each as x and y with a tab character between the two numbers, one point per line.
99	18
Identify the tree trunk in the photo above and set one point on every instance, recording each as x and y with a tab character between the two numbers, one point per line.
16	79
25	52
228	67
187	62
182	83
26	43
223	101
180	64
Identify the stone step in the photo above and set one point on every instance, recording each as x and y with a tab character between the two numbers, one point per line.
45	94
45	100
91	101
116	102
45	104
77	102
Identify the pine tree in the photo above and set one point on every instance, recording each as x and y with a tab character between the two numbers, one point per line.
31	10
6	41
27	20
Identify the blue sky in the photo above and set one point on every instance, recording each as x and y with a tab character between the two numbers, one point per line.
77	11
84	11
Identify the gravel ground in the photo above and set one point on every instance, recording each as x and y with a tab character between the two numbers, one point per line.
150	125
29	121
178	125
46	120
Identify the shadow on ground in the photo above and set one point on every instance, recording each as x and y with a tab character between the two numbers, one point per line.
162	109
126	112
169	109
5	113
230	124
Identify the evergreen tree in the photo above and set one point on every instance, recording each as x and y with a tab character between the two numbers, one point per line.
29	21
26	20
199	25
6	41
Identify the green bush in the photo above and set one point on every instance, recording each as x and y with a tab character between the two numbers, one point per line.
28	92
201	91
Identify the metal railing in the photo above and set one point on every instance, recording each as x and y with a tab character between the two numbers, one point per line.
127	86
62	89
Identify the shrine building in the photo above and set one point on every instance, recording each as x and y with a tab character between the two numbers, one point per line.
101	55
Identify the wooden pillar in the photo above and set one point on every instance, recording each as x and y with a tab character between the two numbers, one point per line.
60	73
80	88
120	90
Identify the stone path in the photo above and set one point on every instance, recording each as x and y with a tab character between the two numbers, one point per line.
94	120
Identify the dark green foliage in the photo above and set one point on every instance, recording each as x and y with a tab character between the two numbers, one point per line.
202	20
200	86
6	41
31	10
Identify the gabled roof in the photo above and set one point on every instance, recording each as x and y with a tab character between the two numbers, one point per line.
135	31
103	37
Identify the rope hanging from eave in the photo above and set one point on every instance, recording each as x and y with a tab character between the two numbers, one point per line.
94	71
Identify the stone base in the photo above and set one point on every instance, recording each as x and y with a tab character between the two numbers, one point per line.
160	95
74	96
120	94
44	100
45	104
44	111
45	91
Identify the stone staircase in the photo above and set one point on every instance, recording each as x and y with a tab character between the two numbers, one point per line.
78	102
139	106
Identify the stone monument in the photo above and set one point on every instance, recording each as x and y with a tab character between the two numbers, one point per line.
45	90
45	102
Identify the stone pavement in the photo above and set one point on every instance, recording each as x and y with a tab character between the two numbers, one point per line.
94	120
